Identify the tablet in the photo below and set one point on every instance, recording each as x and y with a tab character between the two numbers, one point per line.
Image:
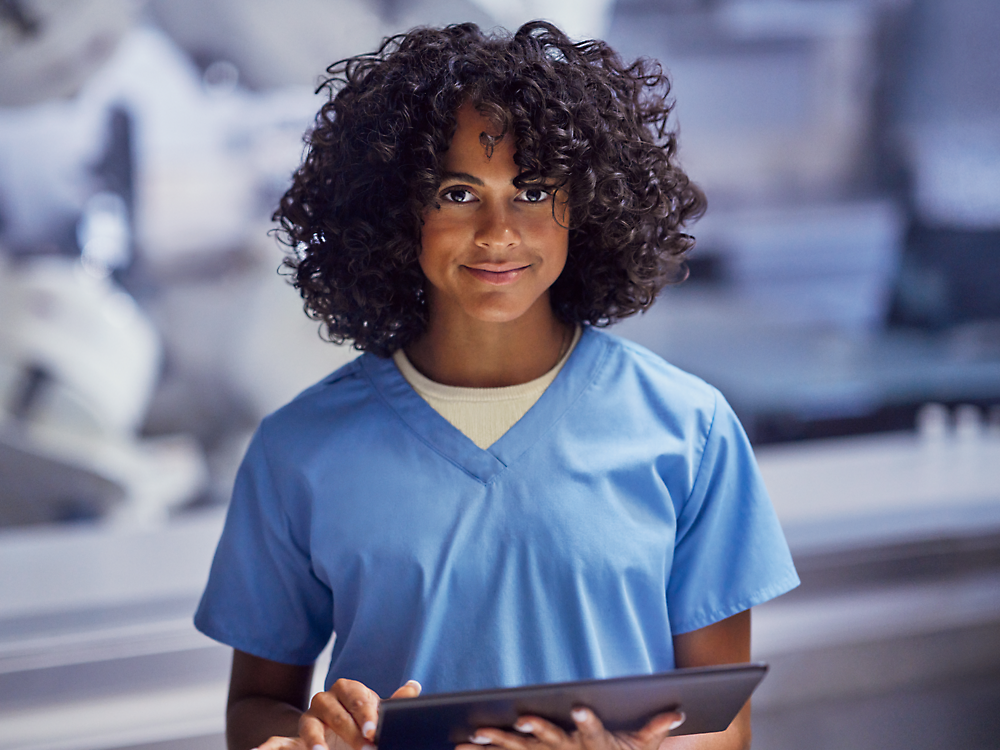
710	696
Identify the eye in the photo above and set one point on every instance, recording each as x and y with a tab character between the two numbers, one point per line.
458	195
534	195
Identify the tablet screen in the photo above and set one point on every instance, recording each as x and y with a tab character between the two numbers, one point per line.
710	696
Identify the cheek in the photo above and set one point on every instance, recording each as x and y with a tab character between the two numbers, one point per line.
559	233
433	241
558	240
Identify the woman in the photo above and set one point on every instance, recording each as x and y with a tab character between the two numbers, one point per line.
495	493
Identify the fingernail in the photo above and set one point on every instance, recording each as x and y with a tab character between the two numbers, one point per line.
580	714
678	721
368	729
479	740
415	684
525	726
367	747
316	747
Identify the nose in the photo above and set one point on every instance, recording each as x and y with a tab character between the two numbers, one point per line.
497	227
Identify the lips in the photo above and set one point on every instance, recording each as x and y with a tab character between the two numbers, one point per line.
497	275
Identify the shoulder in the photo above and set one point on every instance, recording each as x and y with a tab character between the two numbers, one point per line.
635	373
340	397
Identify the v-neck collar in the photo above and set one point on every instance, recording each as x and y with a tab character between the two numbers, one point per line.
484	464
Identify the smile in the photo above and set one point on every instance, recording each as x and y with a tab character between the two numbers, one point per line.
497	277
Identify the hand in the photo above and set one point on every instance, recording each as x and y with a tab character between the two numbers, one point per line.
342	717
590	734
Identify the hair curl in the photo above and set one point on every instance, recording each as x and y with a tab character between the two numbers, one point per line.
581	119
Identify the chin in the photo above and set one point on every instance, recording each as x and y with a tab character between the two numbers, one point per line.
497	313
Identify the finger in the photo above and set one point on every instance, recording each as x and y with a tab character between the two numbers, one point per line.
312	732
327	713
282	743
410	690
483	744
361	702
498	738
658	728
588	726
543	730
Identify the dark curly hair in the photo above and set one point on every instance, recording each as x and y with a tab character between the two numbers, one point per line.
581	119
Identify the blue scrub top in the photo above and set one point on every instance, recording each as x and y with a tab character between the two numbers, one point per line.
625	507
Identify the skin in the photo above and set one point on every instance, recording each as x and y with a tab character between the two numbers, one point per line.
267	700
490	252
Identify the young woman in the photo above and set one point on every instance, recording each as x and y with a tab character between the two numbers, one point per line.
496	493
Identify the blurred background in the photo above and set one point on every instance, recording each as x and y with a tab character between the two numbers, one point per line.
844	295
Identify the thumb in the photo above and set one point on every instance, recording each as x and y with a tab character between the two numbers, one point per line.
659	728
410	690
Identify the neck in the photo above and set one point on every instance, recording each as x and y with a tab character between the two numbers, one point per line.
475	354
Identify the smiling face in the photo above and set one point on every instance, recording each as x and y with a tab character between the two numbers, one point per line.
491	250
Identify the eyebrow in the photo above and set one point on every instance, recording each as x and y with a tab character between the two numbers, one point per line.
463	176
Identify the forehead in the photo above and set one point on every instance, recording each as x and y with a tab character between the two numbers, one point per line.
469	149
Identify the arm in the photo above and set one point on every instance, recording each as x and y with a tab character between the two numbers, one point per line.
267	708
724	642
266	699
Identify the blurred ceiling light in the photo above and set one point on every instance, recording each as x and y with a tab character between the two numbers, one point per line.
48	48
221	77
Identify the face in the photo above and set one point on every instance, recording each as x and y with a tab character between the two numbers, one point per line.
490	251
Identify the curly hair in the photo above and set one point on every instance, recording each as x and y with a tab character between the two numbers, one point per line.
582	121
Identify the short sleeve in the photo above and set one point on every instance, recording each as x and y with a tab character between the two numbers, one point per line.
263	596
730	553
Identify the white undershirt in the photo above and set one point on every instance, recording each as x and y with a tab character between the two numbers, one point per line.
481	414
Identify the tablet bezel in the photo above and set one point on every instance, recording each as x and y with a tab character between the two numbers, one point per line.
709	696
